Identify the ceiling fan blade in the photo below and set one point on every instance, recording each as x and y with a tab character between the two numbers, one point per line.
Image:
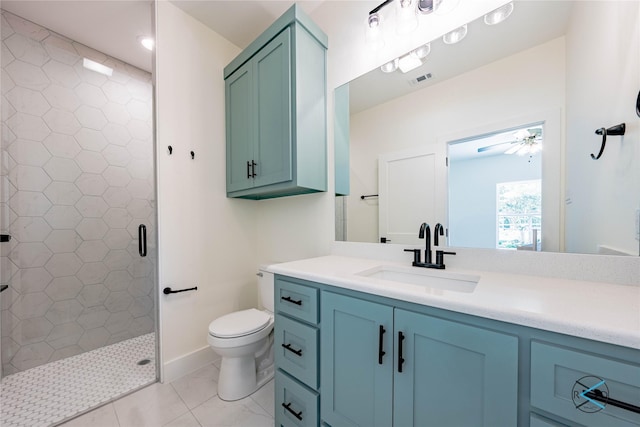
494	146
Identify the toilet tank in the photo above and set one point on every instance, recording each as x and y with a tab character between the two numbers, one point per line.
266	289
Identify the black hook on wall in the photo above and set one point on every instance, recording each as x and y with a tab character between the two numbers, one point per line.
170	150
193	155
617	130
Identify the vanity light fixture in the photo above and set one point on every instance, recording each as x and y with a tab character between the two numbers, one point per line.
407	12
147	42
456	35
498	15
97	67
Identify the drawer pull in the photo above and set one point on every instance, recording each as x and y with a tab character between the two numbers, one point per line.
381	352
400	359
296	352
597	395
287	406
292	301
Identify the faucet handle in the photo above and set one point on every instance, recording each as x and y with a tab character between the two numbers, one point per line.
416	255
440	257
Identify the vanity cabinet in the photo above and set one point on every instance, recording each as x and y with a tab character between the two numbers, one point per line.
359	359
275	105
382	366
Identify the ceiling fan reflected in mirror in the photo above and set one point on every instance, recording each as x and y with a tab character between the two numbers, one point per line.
525	141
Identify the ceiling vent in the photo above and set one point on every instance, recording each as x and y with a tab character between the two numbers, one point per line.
421	79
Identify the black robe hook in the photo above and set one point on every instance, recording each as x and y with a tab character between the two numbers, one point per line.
617	130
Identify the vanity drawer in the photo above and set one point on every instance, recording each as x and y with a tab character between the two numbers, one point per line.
296	300
295	404
559	376
538	421
296	350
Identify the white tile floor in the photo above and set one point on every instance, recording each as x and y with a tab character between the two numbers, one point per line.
188	401
48	394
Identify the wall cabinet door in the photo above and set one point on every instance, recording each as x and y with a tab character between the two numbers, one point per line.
453	374
272	151
356	387
240	132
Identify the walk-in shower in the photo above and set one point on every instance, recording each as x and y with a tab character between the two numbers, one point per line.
77	187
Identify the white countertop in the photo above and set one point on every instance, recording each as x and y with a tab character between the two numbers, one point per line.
598	311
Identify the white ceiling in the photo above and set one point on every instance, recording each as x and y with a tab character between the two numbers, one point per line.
532	22
240	22
113	26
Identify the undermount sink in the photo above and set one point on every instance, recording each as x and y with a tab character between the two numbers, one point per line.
423	277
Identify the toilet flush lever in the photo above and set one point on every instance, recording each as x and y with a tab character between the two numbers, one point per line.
259	274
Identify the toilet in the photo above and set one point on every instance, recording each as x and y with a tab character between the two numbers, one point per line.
244	339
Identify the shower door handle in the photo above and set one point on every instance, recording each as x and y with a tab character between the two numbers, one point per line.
142	240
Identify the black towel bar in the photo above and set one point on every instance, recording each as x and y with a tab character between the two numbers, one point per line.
168	290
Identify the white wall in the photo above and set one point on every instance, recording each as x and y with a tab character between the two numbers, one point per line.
592	48
206	239
472	195
510	87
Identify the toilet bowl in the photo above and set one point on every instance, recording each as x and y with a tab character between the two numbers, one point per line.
244	340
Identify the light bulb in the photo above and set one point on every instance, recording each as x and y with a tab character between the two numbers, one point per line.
407	19
390	66
456	35
498	15
373	35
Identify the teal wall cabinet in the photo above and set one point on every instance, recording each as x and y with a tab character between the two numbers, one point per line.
384	366
275	104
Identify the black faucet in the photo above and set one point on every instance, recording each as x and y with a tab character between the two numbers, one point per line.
438	230
425	233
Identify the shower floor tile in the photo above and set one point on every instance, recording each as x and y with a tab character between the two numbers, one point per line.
48	394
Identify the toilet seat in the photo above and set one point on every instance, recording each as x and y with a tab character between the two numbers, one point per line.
239	323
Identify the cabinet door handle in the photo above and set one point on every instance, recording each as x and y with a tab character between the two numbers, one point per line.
142	240
287	406
597	395
253	169
248	169
292	301
296	352
381	352
400	359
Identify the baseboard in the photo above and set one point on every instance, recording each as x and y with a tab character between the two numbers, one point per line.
183	365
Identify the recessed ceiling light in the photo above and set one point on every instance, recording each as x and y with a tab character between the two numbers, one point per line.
97	67
147	42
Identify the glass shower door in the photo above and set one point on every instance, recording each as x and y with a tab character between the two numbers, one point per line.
77	182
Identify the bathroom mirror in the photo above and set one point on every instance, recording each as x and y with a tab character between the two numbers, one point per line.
571	67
